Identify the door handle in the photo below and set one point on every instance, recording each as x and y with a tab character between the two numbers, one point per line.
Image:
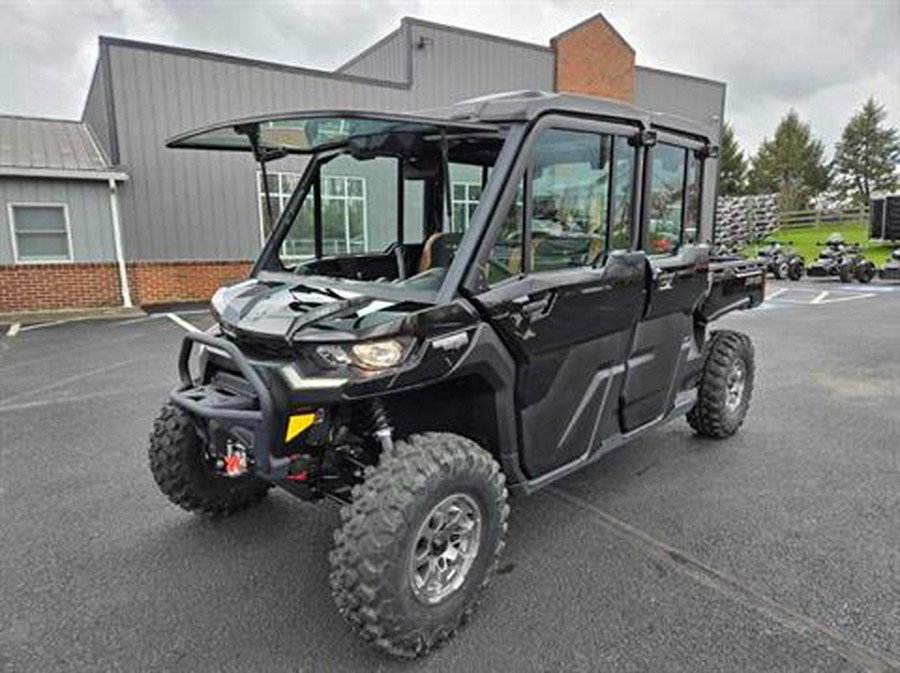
538	308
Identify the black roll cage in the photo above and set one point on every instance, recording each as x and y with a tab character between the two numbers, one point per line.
499	191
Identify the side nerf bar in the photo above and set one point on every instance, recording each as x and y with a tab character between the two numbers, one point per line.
259	421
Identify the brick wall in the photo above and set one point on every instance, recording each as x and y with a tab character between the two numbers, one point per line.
592	58
162	282
45	287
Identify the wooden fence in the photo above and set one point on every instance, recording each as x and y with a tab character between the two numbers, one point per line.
800	219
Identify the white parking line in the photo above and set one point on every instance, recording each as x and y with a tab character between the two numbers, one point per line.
776	293
14	329
819	297
181	322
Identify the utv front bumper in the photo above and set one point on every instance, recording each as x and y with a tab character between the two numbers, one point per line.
259	409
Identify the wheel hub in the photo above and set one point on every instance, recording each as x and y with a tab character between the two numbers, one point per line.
735	384
445	548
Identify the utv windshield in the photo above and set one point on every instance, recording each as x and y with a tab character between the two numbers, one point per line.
389	209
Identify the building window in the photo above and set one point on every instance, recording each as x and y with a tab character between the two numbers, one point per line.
40	232
344	227
465	201
281	186
344	215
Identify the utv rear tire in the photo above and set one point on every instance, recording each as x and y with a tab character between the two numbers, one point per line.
726	385
178	465
781	270
865	272
846	273
377	550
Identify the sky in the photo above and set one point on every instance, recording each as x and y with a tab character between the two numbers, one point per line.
823	58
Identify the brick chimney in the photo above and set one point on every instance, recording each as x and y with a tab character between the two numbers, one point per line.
592	58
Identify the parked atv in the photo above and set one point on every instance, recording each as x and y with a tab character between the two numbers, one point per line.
842	260
416	380
891	270
781	260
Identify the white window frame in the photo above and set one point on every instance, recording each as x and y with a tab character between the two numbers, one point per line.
346	197
284	196
11	217
466	202
281	195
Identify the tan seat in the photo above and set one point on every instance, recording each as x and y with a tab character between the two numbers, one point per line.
438	250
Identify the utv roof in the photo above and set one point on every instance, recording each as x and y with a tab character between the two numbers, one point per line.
528	105
309	131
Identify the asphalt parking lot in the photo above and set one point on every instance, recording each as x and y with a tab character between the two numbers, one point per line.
777	550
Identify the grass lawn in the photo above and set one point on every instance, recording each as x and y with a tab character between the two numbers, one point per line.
805	241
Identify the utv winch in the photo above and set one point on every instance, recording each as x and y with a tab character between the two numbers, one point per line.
842	260
453	305
781	260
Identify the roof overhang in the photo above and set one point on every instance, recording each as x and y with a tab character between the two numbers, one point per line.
309	132
61	174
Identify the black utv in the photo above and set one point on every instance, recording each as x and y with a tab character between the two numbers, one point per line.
781	260
842	260
452	305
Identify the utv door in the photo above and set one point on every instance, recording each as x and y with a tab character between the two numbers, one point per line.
565	306
664	341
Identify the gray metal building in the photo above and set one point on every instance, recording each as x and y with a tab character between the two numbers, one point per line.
203	211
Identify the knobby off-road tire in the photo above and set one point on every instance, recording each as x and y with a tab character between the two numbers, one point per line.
374	559
179	466
781	270
865	272
726	385
846	273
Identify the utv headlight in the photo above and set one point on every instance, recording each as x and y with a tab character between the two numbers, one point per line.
373	355
379	354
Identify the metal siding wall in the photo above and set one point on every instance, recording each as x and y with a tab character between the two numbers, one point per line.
182	204
387	62
95	112
456	66
89	215
696	99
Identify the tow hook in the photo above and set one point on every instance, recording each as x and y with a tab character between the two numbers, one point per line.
235	461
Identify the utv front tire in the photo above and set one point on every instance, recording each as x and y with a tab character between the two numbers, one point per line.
434	496
726	385
180	469
795	270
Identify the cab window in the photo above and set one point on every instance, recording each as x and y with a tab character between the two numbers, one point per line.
578	189
666	198
674	198
569	176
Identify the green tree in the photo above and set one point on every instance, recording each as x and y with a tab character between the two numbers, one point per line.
732	165
866	157
790	164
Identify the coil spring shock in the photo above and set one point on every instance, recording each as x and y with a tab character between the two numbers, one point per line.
381	425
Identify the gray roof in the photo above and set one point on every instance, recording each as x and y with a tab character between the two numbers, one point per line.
51	148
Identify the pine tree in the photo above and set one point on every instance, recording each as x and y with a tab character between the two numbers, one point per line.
790	164
732	165
866	157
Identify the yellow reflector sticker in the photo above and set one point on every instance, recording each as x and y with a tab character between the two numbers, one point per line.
297	424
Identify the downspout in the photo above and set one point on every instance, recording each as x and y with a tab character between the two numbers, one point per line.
117	242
